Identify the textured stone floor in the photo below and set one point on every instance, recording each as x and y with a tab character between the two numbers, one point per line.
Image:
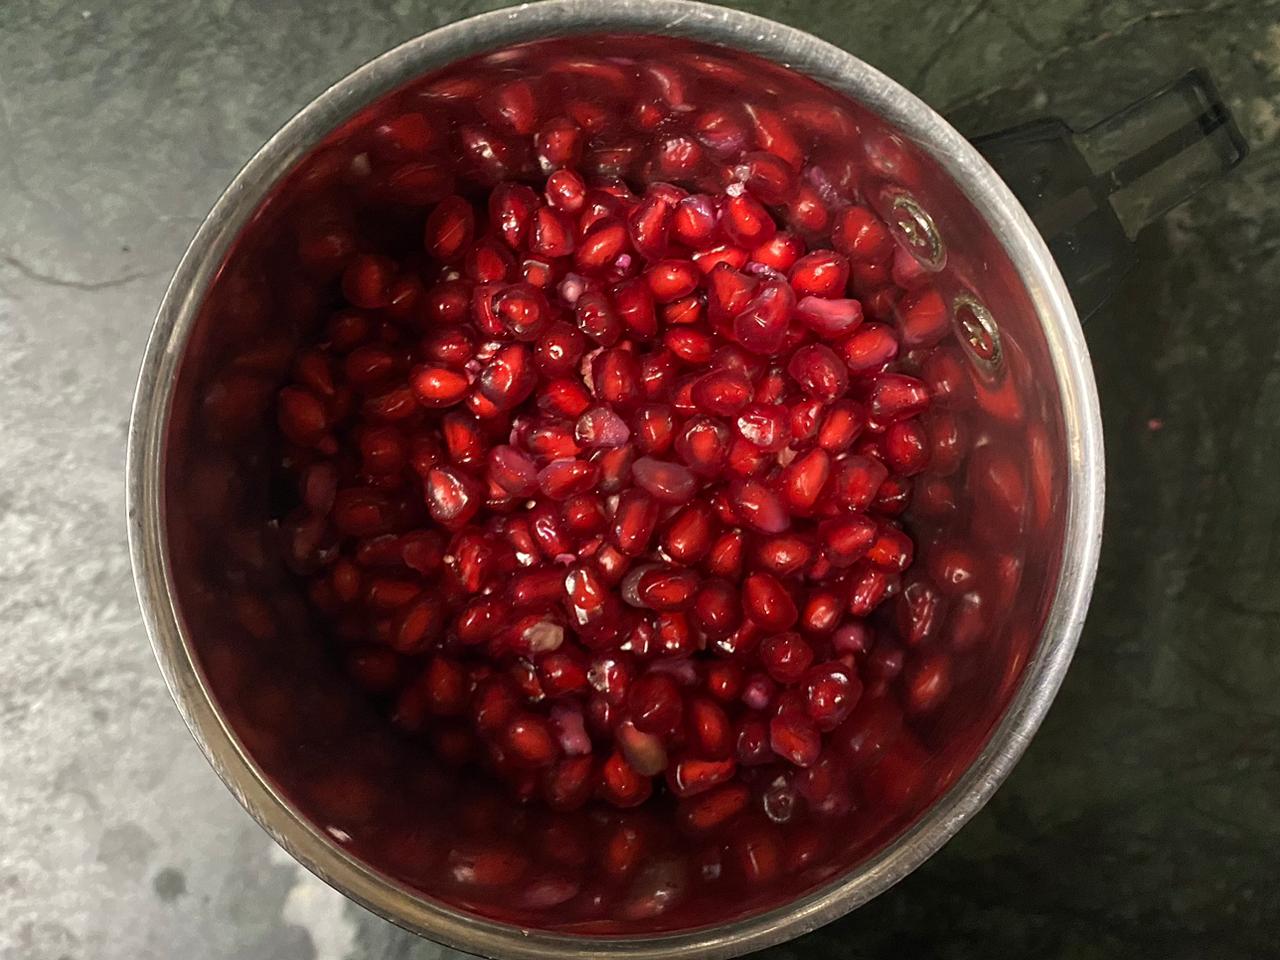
1144	820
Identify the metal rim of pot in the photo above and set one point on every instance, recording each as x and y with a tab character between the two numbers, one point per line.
828	64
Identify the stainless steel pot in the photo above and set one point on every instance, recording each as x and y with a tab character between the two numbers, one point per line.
1019	298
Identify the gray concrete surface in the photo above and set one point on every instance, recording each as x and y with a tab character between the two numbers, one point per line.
1143	822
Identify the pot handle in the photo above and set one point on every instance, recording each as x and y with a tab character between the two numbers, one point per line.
1090	191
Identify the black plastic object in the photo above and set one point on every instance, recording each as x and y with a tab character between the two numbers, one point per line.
1090	191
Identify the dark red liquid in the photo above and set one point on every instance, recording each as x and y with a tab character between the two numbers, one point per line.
585	584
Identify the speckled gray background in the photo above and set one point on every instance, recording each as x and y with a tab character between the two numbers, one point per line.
1143	822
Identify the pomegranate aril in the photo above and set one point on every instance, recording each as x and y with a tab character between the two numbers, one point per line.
717	608
763	426
419	184
447	303
830	319
860	235
819	372
767	602
857	481
761	326
406	134
746	222
512	470
633	522
644	752
703	445
302	416
655	426
453	497
562	479
600	246
846	539
558	144
721	131
691	344
774	134
879	304
759	506
666	482
725	556
449	347
615	468
548	531
752	743
953	568
822	273
527	739
906	447
597	319
649	224
509	378
892	549
558	349
691	776
831	693
868	589
522	309
896	396
564	397
488	262
566	191
621	785
927	682
804	479
666	588
449	229
537	587
568	784
472	558
687	537
676	158
485	867
634	304
612	563
806	211
600	427
822	611
657	374
550	234
784	555
870	347
655	704
615	377
1001	493
722	392
786	657
511	206
366	281
444	687
623	849
923	317
670	280
795	738
709	811
480	620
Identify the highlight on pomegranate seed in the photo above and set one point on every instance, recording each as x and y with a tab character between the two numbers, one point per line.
633	479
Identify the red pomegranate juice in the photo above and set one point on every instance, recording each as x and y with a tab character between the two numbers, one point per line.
643	521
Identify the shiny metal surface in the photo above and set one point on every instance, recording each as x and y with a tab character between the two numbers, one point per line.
1040	284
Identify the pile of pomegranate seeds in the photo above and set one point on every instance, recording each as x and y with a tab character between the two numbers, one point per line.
611	497
602	394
